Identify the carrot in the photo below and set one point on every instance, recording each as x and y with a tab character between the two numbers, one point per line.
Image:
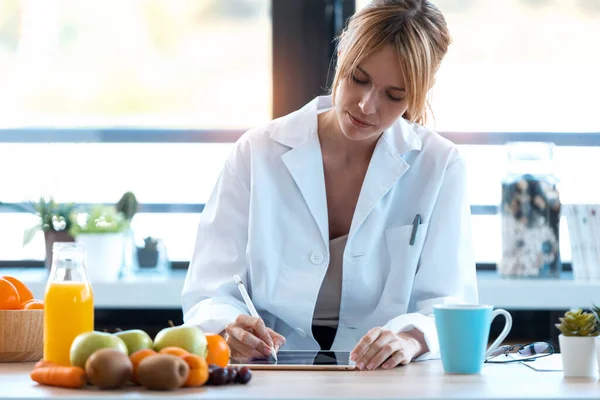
58	375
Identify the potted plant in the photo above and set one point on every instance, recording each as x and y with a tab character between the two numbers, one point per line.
54	221
579	330
128	205
148	255
596	312
101	231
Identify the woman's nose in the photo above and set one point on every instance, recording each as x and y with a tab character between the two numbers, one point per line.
368	103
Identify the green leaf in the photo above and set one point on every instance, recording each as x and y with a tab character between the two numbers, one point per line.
30	233
596	312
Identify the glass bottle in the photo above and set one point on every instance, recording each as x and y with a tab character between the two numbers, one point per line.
530	212
68	302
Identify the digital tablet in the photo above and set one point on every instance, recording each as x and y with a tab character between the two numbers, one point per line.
301	359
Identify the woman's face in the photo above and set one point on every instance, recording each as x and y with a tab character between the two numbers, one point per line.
373	97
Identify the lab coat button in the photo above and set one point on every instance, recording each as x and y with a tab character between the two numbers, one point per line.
301	332
316	257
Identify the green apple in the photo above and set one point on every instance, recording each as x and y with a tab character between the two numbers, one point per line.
135	339
190	338
88	342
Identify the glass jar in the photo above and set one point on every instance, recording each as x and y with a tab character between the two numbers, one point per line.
530	213
68	302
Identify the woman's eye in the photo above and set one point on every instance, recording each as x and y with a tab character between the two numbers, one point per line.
355	79
392	98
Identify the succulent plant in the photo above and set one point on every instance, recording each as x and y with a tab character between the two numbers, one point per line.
578	323
150	244
596	312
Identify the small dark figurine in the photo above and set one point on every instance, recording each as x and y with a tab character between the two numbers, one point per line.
148	255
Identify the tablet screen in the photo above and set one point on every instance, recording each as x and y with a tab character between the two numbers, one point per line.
301	357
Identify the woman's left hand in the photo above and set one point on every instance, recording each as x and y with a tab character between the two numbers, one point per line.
387	349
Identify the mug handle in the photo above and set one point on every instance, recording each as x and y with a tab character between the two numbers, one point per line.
503	334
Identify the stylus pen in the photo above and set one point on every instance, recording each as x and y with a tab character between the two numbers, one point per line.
250	305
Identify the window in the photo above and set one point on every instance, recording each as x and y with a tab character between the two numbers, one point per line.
103	97
106	96
518	66
168	174
135	71
186	63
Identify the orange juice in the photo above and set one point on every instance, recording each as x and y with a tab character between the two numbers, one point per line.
69	311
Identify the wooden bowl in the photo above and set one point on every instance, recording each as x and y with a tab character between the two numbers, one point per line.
21	335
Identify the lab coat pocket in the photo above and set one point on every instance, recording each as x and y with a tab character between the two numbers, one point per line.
404	261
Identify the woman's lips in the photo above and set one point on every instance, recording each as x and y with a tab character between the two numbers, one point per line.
357	122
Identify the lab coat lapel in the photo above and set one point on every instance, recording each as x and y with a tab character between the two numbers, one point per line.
304	160
387	165
305	164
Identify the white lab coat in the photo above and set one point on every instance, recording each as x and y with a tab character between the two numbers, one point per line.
266	221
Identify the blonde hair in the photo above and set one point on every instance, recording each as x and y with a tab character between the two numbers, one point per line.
418	31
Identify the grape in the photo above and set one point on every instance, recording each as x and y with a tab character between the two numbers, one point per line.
219	376
244	375
233	373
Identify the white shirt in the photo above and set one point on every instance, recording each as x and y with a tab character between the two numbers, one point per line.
327	309
266	221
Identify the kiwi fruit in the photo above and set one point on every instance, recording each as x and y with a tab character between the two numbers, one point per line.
162	372
108	368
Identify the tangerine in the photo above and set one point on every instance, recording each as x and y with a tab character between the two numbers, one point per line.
199	373
34	305
24	303
174	351
218	350
9	296
24	292
136	358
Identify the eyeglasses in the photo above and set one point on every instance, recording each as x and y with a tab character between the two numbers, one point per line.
519	352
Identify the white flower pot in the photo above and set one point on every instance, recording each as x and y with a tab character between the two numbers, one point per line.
103	255
578	356
597	343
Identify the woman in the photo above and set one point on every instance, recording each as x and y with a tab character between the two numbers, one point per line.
347	220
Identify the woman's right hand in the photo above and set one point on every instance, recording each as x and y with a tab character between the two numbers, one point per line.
248	337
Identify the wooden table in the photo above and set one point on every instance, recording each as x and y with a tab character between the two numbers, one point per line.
424	380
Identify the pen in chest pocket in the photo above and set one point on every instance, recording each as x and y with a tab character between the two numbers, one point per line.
416	223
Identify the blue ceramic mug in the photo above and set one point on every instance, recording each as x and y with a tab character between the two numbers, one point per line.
463	332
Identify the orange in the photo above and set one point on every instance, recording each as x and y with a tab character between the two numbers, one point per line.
199	373
34	305
24	292
9	296
175	351
218	350
24	303
136	358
